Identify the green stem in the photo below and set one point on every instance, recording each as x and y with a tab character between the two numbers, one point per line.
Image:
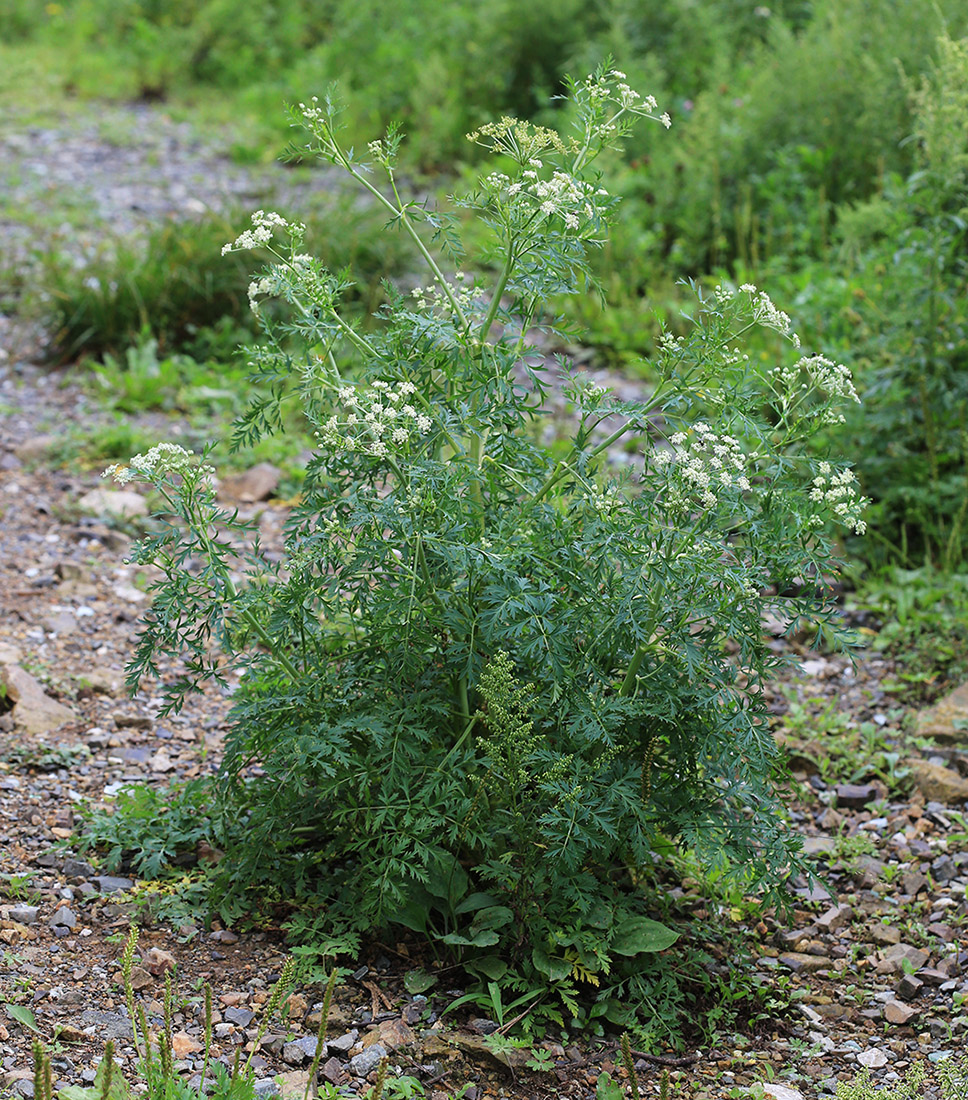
400	211
498	293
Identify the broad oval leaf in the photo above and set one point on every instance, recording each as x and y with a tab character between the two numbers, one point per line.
639	936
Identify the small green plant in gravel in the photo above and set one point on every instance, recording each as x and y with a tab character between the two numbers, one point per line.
492	681
158	1078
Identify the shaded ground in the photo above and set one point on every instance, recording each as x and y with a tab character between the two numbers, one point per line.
897	867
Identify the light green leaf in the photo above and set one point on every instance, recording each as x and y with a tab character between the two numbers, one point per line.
418	981
639	935
23	1016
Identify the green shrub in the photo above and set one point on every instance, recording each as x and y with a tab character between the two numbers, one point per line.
912	443
492	681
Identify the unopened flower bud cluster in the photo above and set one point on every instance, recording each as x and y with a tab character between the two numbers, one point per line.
837	491
377	421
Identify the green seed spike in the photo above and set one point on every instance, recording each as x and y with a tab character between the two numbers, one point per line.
381	1079
630	1066
108	1069
321	1033
664	1085
39	1060
208	1037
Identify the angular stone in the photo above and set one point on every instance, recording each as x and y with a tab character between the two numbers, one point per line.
891	961
897	1013
63	918
77	868
931	976
938	783
885	934
781	1092
873	1058
105	681
294	1084
365	1063
241	1016
909	987
253	485
183	1044
158	961
947	720
391	1034
264	1088
914	882
835	918
34	711
332	1070
140	978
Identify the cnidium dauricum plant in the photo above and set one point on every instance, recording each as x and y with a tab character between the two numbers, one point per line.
441	558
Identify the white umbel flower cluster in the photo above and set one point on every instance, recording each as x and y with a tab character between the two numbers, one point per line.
764	311
264	224
573	200
163	459
704	462
837	491
378	420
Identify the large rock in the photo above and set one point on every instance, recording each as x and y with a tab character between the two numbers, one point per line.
937	783
114	502
251	486
947	720
34	711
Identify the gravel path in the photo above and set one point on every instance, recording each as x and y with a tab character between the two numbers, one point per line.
877	958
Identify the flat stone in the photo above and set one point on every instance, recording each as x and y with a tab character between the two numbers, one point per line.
122	503
931	976
873	1058
158	961
253	485
297	1052
897	1013
34	711
947	720
855	796
241	1016
265	1087
937	782
365	1063
885	934
818	845
781	1092
63	918
797	962
77	868
27	914
344	1043
110	1025
112	884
